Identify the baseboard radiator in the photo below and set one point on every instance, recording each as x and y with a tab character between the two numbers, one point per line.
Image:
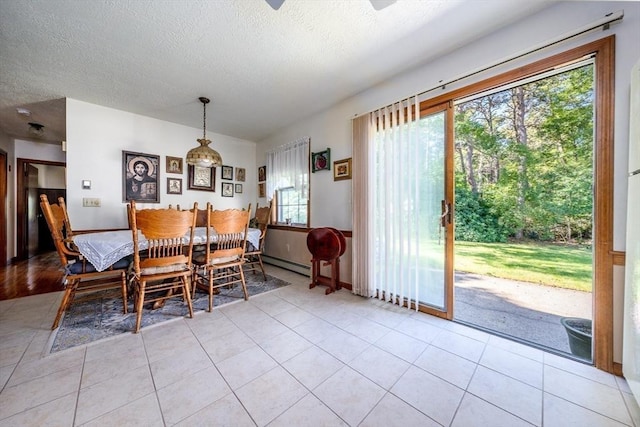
288	265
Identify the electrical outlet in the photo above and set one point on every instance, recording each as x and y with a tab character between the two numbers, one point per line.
89	202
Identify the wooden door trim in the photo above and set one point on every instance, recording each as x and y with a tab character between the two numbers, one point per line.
21	202
3	207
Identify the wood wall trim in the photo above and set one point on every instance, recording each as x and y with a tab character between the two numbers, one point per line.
619	258
617	369
347	233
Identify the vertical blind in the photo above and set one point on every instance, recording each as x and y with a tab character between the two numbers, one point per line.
387	167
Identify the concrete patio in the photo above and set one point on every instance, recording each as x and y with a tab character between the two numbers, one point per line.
526	311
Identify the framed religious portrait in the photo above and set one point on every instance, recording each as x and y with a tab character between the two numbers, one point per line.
140	177
201	178
262	191
227	189
174	164
174	185
321	160
240	174
342	169
238	188
227	172
262	174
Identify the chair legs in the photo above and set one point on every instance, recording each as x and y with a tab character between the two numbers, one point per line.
69	293
253	260
141	290
125	293
228	273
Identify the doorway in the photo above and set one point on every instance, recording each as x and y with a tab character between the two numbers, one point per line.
35	177
524	209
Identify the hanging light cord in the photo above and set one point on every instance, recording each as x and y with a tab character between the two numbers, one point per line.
204	120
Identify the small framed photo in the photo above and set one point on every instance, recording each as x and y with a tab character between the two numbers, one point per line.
201	178
140	177
342	169
262	191
227	172
262	174
240	174
238	188
174	185
174	164
321	160
227	189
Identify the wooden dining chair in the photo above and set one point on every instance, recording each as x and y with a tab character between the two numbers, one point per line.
68	231
221	263
253	255
80	275
166	265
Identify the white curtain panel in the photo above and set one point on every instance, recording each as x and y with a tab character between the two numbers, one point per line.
286	164
393	228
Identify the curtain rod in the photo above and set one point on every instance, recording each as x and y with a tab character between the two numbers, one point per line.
603	22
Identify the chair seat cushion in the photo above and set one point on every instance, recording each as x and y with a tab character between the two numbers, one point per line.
200	258
173	268
78	267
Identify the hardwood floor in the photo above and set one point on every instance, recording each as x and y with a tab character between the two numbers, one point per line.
37	275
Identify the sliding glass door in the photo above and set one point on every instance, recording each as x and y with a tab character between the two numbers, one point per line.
435	227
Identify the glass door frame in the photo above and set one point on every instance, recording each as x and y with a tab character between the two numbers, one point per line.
448	215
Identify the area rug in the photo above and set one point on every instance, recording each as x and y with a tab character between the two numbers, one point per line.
98	315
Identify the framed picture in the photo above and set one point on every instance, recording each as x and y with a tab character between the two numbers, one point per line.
174	164
342	169
174	185
321	160
238	188
262	191
200	178
240	173
140	177
227	189
227	172
262	174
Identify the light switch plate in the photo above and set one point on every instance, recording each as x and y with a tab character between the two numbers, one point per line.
89	202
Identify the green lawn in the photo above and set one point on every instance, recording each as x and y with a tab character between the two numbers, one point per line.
552	265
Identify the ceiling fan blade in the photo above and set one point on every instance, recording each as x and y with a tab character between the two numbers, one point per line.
275	4
381	4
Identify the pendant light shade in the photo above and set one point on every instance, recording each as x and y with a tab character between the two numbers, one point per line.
203	155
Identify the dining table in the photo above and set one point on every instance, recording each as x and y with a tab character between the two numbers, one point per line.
103	248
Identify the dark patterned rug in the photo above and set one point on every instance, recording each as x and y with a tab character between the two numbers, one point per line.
99	315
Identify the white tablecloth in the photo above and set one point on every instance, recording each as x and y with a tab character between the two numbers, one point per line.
104	248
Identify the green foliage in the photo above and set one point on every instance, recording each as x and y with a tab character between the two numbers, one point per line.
474	220
524	161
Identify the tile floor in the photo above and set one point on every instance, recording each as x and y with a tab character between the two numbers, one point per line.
295	357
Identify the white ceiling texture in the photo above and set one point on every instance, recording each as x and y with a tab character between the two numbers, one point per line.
262	68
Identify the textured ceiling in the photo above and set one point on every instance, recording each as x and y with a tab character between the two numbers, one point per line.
263	69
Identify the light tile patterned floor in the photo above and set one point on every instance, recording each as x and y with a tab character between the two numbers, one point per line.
295	357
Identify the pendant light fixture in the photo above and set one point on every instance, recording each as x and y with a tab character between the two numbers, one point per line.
203	155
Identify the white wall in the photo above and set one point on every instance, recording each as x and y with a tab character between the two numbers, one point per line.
331	201
50	176
96	137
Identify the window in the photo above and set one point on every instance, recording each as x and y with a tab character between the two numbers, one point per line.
288	181
292	205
